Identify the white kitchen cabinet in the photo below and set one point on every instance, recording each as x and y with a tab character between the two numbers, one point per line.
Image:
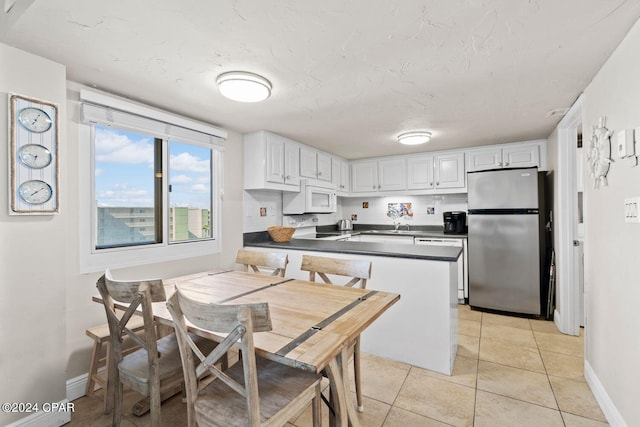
420	173
378	175
508	156
340	174
315	164
271	162
364	177
449	170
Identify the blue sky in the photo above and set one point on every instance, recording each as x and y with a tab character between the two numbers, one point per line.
124	171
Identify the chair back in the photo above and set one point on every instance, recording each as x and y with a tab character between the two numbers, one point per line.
255	260
359	270
239	322
136	294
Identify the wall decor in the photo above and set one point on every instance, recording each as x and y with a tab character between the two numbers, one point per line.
33	156
431	210
365	205
599	153
399	210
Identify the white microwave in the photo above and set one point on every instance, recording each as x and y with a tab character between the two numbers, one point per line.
310	199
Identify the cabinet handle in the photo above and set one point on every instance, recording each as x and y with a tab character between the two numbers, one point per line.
288	177
431	184
499	163
379	186
319	173
437	183
506	163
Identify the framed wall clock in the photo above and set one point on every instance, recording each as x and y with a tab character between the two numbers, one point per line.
599	153
33	156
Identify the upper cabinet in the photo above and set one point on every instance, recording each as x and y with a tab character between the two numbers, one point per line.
519	155
340	175
378	175
436	171
271	162
449	170
315	164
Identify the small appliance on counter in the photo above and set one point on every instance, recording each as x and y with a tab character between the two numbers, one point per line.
455	222
344	224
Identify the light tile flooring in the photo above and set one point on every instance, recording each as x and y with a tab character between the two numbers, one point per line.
509	371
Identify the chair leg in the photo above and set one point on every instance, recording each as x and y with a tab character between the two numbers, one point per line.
316	408
93	367
117	404
356	374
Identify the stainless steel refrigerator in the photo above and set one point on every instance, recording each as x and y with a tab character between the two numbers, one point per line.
506	240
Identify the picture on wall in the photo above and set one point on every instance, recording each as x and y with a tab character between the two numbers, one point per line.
399	210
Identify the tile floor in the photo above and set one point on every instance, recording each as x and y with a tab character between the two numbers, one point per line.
508	372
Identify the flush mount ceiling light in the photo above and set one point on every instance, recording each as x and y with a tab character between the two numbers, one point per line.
243	86
414	138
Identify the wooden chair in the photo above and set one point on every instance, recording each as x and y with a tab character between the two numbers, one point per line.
360	271
255	259
253	392
101	343
155	370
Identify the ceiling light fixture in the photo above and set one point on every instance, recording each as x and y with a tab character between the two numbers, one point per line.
243	86
414	138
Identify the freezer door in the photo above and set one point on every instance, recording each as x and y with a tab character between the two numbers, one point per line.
504	263
503	189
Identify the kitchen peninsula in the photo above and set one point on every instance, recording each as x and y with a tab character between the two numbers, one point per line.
421	329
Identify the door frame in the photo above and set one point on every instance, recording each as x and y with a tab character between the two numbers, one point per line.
567	312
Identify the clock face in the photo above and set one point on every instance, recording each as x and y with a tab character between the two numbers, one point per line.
35	192
34	119
34	156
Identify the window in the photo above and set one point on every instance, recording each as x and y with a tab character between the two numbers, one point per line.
152	186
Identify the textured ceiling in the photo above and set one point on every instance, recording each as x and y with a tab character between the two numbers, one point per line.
348	76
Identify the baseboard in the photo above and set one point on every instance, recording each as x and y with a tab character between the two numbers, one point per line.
76	387
606	404
56	414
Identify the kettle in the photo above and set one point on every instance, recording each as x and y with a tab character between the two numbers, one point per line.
344	224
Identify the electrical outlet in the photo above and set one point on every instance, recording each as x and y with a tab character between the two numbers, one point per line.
632	209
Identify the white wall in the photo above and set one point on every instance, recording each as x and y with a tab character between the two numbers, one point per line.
45	303
32	273
612	280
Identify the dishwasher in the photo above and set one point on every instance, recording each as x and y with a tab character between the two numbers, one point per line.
463	287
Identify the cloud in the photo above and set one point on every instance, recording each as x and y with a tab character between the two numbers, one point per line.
199	188
124	195
186	162
114	147
181	179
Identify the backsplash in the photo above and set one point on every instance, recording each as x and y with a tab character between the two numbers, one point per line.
421	207
263	208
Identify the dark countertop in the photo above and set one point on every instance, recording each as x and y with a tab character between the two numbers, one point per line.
414	230
395	250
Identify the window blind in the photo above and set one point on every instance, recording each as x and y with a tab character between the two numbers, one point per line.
126	114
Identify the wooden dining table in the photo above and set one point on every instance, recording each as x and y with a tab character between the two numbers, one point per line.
312	323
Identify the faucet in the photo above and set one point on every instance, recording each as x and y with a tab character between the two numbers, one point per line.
396	225
408	227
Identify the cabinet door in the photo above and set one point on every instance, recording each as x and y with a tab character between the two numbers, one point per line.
521	157
291	164
420	173
345	177
479	160
323	162
449	170
308	163
275	159
364	177
392	175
